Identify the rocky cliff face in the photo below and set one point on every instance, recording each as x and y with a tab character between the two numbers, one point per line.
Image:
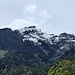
49	47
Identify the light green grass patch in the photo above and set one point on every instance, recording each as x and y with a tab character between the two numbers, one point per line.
2	53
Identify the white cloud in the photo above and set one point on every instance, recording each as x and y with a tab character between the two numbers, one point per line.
33	16
20	23
3	26
31	8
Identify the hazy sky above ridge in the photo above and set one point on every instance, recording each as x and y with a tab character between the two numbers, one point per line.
52	16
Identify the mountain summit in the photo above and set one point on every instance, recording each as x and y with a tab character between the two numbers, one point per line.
48	47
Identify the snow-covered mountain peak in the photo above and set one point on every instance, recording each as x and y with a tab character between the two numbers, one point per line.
33	34
33	39
29	29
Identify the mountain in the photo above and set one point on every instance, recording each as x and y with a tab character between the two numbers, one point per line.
48	47
31	49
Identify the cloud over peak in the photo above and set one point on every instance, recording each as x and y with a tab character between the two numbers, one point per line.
33	16
31	8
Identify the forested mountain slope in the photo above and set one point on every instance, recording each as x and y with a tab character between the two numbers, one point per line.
30	50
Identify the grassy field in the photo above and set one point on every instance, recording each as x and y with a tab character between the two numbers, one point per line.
2	53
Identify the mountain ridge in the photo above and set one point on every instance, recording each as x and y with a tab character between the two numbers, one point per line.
49	47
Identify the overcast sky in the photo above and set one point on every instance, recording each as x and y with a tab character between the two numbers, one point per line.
52	16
